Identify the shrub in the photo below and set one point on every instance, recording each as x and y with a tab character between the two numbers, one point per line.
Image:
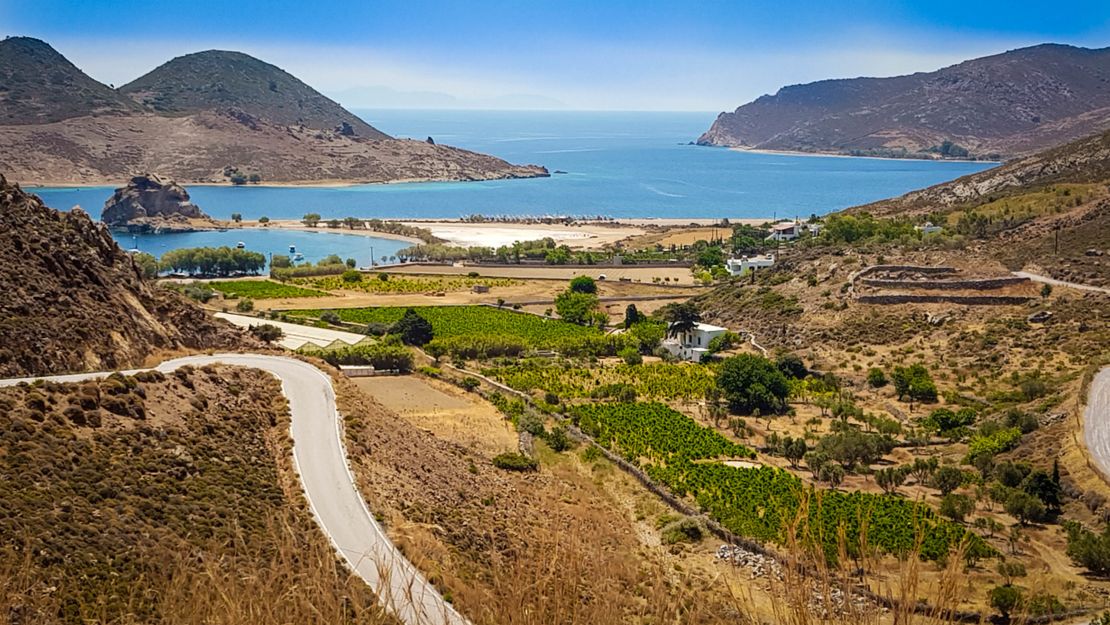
379	356
956	507
514	461
469	383
876	378
1088	549
351	276
413	329
330	317
684	530
583	284
267	333
245	305
1005	599
631	356
558	440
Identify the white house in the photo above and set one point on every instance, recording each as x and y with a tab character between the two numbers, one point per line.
928	228
693	344
740	266
785	231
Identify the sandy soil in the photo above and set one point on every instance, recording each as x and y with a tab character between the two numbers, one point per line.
445	410
293	224
578	236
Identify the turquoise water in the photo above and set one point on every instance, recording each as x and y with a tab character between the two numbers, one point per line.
618	165
314	245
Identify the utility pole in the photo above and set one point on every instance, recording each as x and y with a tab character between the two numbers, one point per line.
371	256
1056	243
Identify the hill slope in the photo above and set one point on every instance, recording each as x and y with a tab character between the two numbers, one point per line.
217	79
201	118
38	85
73	300
1008	104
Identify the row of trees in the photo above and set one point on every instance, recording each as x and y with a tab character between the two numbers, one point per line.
213	261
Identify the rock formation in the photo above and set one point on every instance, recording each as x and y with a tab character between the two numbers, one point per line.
151	204
73	300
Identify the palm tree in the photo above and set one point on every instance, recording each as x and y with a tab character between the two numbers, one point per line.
682	318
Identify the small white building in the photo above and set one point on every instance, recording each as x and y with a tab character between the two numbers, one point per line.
928	228
693	344
744	264
785	231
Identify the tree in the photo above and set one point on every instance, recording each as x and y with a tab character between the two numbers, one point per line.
648	335
1010	569
752	382
791	366
351	276
1024	507
263	220
147	264
794	449
583	284
237	217
710	257
238	179
632	316
681	317
413	329
956	507
890	478
350	262
575	307
876	378
832	474
1046	290
914	382
311	219
947	479
280	261
923	469
1088	549
1005	599
1044	487
267	333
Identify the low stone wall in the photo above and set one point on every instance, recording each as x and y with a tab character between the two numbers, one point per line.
966	300
978	284
921	269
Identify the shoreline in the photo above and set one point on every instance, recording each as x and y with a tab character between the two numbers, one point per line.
842	155
334	183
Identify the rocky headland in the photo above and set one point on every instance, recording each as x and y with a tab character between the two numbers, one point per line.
151	204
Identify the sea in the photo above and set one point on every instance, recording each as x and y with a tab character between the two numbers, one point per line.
603	164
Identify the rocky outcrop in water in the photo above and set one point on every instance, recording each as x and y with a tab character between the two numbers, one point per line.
150	204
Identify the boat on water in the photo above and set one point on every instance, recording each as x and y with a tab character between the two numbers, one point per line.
298	256
292	249
240	245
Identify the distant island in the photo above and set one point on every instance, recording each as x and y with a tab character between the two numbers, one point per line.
992	108
213	117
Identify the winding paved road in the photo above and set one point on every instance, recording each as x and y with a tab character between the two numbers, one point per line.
1054	282
1096	422
321	461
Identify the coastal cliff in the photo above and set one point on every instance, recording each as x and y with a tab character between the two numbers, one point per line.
1000	106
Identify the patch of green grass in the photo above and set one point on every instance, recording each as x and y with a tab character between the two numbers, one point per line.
263	289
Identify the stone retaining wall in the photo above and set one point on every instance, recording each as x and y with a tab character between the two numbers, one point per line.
966	300
979	284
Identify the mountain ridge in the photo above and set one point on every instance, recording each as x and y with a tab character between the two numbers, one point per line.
207	117
1008	104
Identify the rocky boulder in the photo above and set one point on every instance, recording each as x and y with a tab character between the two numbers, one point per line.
151	204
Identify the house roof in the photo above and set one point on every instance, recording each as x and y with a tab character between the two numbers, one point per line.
705	327
785	225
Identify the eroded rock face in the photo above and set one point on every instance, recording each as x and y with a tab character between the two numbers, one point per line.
75	301
151	204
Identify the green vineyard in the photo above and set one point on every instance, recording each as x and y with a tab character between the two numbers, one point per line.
472	321
765	502
653	380
402	284
262	289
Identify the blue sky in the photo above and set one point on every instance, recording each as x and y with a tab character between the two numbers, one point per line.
621	55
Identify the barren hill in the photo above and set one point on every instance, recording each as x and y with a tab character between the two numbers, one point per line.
73	300
38	85
204	117
1008	104
218	79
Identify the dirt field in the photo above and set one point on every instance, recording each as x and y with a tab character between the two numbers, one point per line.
445	410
